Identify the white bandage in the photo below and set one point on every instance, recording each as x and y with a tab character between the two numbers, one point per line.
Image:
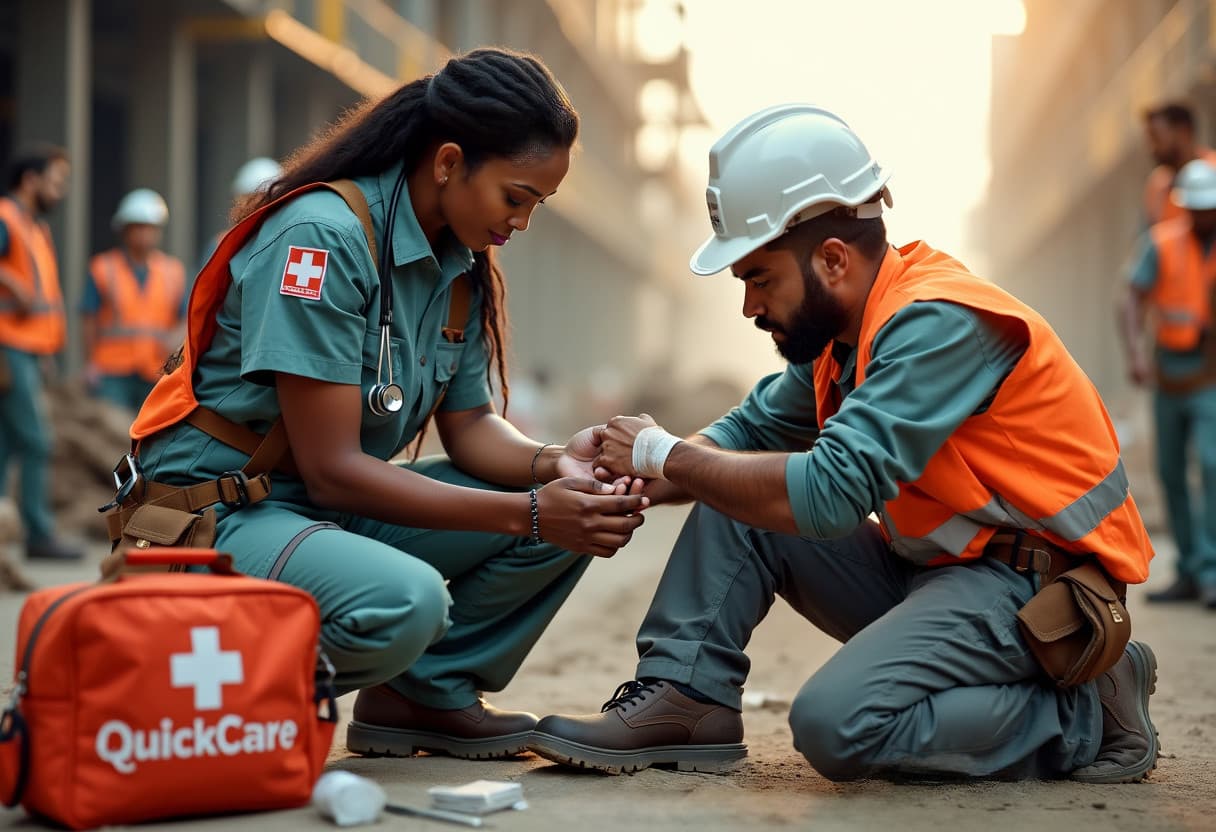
650	450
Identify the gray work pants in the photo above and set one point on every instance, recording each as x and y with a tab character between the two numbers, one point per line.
933	676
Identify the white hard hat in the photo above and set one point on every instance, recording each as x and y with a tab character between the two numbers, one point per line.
142	206
1195	187
254	175
779	167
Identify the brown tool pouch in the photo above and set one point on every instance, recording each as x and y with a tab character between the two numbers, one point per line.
1077	626
158	525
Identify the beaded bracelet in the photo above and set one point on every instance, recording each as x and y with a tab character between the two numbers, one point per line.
536	538
535	457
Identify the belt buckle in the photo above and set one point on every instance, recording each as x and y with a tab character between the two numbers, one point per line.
240	482
127	474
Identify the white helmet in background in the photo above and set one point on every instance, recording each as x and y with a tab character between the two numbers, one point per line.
143	206
254	175
1195	187
779	167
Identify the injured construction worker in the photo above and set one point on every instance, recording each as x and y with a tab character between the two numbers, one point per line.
333	323
948	408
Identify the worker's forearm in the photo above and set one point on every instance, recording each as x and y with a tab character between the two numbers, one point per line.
750	487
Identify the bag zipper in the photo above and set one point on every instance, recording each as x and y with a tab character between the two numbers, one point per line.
22	686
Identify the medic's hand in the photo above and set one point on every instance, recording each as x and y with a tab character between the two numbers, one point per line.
616	443
579	455
583	515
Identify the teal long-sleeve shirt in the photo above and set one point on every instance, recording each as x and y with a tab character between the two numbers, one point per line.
933	365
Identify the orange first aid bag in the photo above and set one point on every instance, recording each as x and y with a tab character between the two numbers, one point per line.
156	695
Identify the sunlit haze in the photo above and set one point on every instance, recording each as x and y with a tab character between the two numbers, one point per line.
911	78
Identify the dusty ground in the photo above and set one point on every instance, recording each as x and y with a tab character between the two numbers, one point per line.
590	649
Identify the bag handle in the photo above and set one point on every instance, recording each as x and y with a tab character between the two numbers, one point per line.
220	563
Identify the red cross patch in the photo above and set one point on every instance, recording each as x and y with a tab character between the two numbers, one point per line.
304	272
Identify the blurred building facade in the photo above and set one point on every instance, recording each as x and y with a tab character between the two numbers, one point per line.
1069	162
176	94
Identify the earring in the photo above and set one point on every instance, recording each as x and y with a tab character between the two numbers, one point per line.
443	181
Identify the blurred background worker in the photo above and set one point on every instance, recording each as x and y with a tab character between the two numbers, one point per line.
250	178
1174	277
132	306
1170	131
32	329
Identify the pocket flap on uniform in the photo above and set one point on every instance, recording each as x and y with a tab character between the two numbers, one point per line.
1052	614
159	524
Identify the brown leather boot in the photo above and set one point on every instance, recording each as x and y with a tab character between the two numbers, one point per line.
645	725
387	724
1129	739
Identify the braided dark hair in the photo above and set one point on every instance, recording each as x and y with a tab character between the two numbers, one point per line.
494	103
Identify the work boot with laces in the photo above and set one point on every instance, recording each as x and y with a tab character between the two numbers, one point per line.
387	724
645	724
1129	739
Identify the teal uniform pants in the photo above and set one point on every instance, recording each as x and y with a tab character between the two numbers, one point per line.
125	391
1183	418
439	615
933	676
25	435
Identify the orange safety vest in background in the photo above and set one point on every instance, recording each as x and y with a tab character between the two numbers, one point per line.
1043	457
1182	295
133	321
31	257
1158	206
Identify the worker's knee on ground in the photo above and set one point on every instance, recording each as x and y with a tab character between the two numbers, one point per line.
395	620
822	718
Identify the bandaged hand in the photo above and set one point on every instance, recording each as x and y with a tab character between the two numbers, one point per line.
634	446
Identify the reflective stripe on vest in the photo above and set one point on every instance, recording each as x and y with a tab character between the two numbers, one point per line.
30	257
1042	457
1070	523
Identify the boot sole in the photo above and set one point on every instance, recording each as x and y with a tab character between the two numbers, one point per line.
1145	662
713	759
381	741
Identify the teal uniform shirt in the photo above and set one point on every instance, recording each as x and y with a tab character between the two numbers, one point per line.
1144	272
334	338
932	365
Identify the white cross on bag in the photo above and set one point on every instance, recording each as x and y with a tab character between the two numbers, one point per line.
206	668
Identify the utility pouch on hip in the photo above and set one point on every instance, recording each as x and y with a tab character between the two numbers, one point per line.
1077	625
158	525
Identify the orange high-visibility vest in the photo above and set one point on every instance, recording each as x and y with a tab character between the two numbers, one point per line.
1158	206
1043	457
1182	295
173	399
31	258
133	321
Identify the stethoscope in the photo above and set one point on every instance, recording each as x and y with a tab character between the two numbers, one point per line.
386	397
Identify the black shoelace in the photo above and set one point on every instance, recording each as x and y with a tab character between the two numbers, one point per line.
626	693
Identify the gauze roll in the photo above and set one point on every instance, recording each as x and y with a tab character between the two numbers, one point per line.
348	799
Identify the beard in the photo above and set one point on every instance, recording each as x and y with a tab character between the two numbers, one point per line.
816	321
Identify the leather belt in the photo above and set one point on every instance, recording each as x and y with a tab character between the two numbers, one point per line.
1025	552
233	489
